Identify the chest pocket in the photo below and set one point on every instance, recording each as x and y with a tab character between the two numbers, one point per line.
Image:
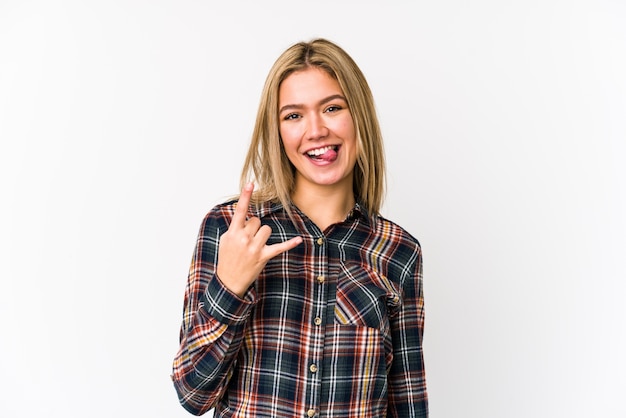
365	297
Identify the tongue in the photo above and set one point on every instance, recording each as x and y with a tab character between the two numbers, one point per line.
329	155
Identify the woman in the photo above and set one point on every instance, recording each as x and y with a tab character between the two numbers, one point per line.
301	299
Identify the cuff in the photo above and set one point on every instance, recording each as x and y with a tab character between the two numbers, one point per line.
225	306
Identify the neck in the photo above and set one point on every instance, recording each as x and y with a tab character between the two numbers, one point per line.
324	205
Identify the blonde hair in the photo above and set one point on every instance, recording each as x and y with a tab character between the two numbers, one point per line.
267	163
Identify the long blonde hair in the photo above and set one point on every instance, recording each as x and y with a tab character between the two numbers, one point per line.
267	163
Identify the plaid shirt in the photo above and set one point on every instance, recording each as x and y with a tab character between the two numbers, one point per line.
331	328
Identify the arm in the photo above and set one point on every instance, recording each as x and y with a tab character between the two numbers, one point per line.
217	308
407	379
213	326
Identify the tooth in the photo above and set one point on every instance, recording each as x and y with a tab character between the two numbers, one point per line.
319	151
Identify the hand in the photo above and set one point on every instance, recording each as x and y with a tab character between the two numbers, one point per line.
243	252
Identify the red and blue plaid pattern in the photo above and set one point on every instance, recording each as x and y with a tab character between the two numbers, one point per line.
332	327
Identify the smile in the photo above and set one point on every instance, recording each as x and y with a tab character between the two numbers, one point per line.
325	153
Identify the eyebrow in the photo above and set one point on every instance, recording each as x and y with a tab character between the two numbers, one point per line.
321	102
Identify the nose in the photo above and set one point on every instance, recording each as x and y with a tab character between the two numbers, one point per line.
316	128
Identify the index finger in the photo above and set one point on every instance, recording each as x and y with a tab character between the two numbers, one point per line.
241	210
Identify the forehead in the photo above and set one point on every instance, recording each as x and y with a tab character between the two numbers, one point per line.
309	84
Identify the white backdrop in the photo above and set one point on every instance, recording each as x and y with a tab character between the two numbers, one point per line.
123	122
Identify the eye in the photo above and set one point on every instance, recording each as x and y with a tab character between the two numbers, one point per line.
291	116
333	108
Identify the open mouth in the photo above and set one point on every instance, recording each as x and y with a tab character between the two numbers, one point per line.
328	153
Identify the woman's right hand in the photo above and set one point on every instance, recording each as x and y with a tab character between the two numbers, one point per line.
243	252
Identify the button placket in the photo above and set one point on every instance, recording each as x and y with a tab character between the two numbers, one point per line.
321	261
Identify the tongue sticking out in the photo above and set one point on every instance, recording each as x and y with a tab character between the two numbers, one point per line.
329	155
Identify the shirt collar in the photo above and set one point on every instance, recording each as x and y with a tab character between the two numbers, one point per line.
266	208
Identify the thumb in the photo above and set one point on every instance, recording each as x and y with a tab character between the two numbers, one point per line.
271	251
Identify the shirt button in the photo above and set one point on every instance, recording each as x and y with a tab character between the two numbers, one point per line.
320	241
310	413
320	279
313	368
318	321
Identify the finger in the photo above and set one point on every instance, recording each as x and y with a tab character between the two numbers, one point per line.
253	225
271	251
241	210
262	234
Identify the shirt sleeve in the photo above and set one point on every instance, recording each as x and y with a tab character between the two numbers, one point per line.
407	378
213	326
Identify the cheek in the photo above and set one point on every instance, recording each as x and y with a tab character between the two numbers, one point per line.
287	145
346	127
289	137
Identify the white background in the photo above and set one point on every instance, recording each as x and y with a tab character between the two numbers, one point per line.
123	122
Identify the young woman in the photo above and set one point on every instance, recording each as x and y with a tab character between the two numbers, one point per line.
302	300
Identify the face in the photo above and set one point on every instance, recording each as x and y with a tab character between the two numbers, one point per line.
317	130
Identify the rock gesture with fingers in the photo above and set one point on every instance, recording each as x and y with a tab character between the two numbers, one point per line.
243	250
